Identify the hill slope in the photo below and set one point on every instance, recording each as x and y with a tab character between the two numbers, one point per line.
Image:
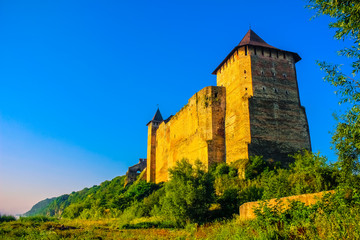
39	207
107	199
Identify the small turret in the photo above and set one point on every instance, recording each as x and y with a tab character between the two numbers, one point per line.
157	119
153	125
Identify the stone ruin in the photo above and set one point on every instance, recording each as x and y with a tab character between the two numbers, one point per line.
134	171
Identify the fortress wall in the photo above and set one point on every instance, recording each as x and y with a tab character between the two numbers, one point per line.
235	75
278	121
196	132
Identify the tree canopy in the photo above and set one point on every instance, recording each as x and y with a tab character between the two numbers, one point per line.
346	137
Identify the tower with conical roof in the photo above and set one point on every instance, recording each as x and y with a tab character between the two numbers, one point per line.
255	109
153	125
263	111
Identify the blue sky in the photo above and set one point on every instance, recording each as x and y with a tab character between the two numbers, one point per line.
80	79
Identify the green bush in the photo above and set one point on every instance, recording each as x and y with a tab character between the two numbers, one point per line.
37	219
6	218
141	190
257	165
335	216
189	193
151	205
310	173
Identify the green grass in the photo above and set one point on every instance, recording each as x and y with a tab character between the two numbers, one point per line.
338	225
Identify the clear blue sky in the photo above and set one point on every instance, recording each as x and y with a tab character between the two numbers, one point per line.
80	79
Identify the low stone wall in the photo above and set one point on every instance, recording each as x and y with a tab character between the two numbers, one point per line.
247	209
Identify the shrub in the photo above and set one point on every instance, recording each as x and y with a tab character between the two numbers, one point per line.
141	190
152	204
310	173
189	193
255	166
37	219
6	218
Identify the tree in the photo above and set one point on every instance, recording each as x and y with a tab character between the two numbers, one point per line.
189	193
310	173
346	137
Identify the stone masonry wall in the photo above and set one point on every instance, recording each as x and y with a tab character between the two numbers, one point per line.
246	210
235	76
196	132
278	121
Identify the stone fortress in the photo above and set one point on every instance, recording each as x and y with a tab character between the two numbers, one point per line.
255	109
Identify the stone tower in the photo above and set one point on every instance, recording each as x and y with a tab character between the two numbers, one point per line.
153	125
263	111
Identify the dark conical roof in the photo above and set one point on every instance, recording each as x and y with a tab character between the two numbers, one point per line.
157	117
251	38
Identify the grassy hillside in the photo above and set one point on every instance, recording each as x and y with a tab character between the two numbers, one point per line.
38	208
106	200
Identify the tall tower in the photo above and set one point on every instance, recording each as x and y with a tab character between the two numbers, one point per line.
153	125
263	111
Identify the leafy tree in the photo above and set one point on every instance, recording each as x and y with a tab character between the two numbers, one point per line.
141	190
189	193
257	165
276	184
6	218
310	173
346	139
227	188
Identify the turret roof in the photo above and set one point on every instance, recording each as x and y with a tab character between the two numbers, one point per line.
157	117
252	39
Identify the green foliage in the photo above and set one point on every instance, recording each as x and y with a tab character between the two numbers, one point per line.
309	173
335	216
151	205
257	165
189	193
141	190
346	138
6	218
227	188
252	191
39	207
345	13
194	195
37	219
107	200
226	177
224	169
276	184
146	225
229	202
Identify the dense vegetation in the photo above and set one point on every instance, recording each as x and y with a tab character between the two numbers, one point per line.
104	201
195	195
40	208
